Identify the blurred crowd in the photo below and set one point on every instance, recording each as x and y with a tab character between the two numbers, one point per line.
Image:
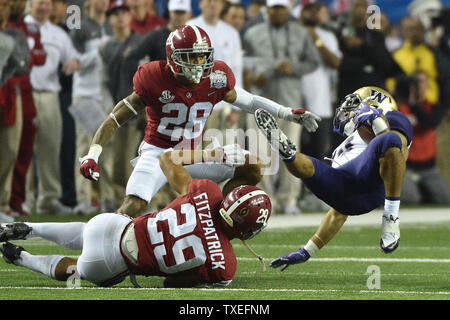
65	63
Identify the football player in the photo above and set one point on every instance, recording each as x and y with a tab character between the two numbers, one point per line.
367	168
187	242
178	95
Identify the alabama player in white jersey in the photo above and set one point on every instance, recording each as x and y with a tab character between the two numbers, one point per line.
187	242
178	96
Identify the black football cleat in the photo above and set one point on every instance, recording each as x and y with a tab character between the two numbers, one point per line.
280	143
13	231
11	252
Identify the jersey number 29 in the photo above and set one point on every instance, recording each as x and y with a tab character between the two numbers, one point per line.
183	242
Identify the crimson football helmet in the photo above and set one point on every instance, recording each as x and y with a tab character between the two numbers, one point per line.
246	210
182	44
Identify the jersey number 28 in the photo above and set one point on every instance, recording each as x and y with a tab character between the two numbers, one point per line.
193	125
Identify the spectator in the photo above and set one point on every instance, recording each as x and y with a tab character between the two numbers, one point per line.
120	69
443	131
256	13
44	80
423	181
277	74
254	8
365	60
37	58
153	45
10	108
67	155
415	55
393	41
234	14
6	48
318	86
142	21
227	47
89	89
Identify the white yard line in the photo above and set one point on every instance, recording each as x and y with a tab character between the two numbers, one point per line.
416	216
346	259
338	247
231	289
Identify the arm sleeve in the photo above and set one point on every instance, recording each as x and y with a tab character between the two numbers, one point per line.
250	103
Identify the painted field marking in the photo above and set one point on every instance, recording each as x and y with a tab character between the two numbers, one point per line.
232	289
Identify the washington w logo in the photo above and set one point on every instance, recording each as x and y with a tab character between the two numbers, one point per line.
379	96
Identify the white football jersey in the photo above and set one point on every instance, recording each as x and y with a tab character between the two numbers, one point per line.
348	150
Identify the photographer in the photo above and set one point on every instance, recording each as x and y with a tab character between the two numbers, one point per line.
423	181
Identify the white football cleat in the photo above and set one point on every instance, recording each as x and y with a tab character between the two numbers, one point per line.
390	234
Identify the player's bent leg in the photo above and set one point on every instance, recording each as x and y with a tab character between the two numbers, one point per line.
302	166
101	261
247	174
145	181
68	234
18	256
329	227
297	163
132	206
392	171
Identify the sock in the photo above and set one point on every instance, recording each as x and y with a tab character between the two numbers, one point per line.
311	247
391	207
69	235
43	264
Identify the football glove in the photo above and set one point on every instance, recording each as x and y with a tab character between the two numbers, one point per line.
307	119
299	256
89	168
370	117
233	155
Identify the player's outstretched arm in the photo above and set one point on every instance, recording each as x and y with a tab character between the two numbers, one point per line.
250	103
172	163
121	113
329	227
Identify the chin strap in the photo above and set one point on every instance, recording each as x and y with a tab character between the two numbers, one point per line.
260	258
134	281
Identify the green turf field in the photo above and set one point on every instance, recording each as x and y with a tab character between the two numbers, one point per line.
419	269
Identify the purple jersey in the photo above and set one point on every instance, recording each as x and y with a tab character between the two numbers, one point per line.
354	186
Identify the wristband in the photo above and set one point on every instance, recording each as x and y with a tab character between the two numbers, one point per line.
94	151
379	125
284	113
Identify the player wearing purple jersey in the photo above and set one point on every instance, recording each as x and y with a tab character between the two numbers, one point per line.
367	168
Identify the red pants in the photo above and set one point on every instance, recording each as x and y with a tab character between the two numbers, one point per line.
25	155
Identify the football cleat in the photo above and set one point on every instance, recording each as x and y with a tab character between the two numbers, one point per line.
11	252
296	257
14	231
269	126
390	234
